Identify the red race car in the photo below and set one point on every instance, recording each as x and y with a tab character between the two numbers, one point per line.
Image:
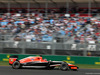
33	61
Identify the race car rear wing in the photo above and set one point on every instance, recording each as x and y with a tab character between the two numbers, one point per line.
12	59
14	56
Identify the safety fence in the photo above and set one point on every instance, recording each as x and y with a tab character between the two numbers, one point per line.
51	48
50	45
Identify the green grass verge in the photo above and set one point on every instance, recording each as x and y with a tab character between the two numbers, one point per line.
4	63
86	66
79	65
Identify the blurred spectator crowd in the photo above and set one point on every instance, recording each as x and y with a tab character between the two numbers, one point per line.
37	27
90	34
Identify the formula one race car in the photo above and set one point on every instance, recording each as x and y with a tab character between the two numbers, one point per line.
33	61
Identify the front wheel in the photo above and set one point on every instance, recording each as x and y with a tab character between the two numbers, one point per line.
64	66
16	65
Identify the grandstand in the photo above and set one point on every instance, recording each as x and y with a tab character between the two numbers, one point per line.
62	27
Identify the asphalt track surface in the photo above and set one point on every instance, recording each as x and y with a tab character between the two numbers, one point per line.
7	70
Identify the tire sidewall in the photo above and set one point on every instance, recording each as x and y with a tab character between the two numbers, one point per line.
18	65
64	66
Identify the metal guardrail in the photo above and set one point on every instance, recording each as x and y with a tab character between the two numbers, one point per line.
50	45
53	48
6	37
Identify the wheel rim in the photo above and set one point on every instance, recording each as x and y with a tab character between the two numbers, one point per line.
16	65
64	66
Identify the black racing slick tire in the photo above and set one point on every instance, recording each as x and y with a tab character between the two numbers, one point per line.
16	65
64	66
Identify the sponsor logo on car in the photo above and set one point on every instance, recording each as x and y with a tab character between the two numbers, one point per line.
11	60
32	59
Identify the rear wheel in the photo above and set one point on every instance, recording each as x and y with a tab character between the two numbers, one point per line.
16	65
64	66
